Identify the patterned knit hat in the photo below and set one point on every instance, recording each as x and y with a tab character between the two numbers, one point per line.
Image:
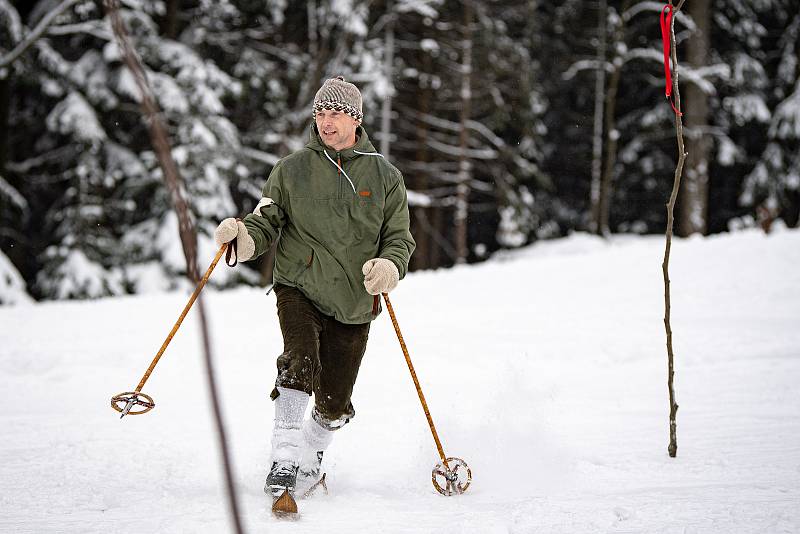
339	95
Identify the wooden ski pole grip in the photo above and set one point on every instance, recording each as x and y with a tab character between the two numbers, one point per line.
414	377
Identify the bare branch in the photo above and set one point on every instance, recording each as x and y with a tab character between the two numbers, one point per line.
188	234
673	406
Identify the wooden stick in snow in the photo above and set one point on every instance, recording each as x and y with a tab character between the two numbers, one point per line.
188	234
673	405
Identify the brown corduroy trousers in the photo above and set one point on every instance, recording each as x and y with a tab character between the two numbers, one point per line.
321	356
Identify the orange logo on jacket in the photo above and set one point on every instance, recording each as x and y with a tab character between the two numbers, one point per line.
364	193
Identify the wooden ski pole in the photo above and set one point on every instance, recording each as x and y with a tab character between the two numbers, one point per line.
453	476
131	398
416	381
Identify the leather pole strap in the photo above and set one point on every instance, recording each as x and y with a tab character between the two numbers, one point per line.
232	252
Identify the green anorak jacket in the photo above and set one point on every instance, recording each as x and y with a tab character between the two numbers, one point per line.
331	212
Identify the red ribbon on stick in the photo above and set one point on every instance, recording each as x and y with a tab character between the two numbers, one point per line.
666	24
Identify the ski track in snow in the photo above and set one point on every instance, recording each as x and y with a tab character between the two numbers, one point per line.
545	369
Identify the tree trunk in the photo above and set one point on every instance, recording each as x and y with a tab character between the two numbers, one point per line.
693	212
464	164
438	218
169	26
5	102
612	135
424	255
388	71
597	137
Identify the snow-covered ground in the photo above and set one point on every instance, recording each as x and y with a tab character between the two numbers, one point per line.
544	369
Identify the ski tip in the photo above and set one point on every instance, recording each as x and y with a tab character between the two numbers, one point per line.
315	486
285	507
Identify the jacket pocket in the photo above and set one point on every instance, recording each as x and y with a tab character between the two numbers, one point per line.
304	264
293	266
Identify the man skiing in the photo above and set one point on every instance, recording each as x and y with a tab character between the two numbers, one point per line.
339	211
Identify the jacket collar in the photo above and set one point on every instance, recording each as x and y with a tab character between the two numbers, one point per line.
363	144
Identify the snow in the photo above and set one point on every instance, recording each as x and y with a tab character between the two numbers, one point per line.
74	115
543	368
170	96
351	16
727	151
418	199
746	108
79	276
786	123
425	8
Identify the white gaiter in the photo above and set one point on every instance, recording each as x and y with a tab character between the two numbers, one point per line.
287	436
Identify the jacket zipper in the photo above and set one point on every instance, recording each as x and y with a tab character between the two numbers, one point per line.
340	172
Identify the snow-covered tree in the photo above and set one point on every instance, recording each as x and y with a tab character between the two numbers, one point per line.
468	124
12	286
773	186
110	222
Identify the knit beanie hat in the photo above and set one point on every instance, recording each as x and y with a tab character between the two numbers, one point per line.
339	95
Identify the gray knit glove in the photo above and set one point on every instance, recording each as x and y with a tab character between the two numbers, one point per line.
380	276
230	229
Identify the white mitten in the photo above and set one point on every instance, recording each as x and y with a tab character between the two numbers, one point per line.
380	276
230	229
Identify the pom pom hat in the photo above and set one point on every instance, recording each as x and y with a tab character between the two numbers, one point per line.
339	95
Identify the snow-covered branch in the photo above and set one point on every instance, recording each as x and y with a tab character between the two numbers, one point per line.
37	32
456	178
656	7
93	28
786	122
700	76
456	151
14	25
11	193
24	167
643	53
455	127
259	155
585	64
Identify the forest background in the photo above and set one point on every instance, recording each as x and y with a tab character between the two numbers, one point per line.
511	121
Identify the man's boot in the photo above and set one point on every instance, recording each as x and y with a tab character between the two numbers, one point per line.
287	441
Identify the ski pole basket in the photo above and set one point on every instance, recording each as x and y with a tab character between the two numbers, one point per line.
451	477
127	402
135	402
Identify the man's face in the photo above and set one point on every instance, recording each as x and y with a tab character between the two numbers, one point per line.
337	129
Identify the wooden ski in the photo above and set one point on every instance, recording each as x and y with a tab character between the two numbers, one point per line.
285	507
